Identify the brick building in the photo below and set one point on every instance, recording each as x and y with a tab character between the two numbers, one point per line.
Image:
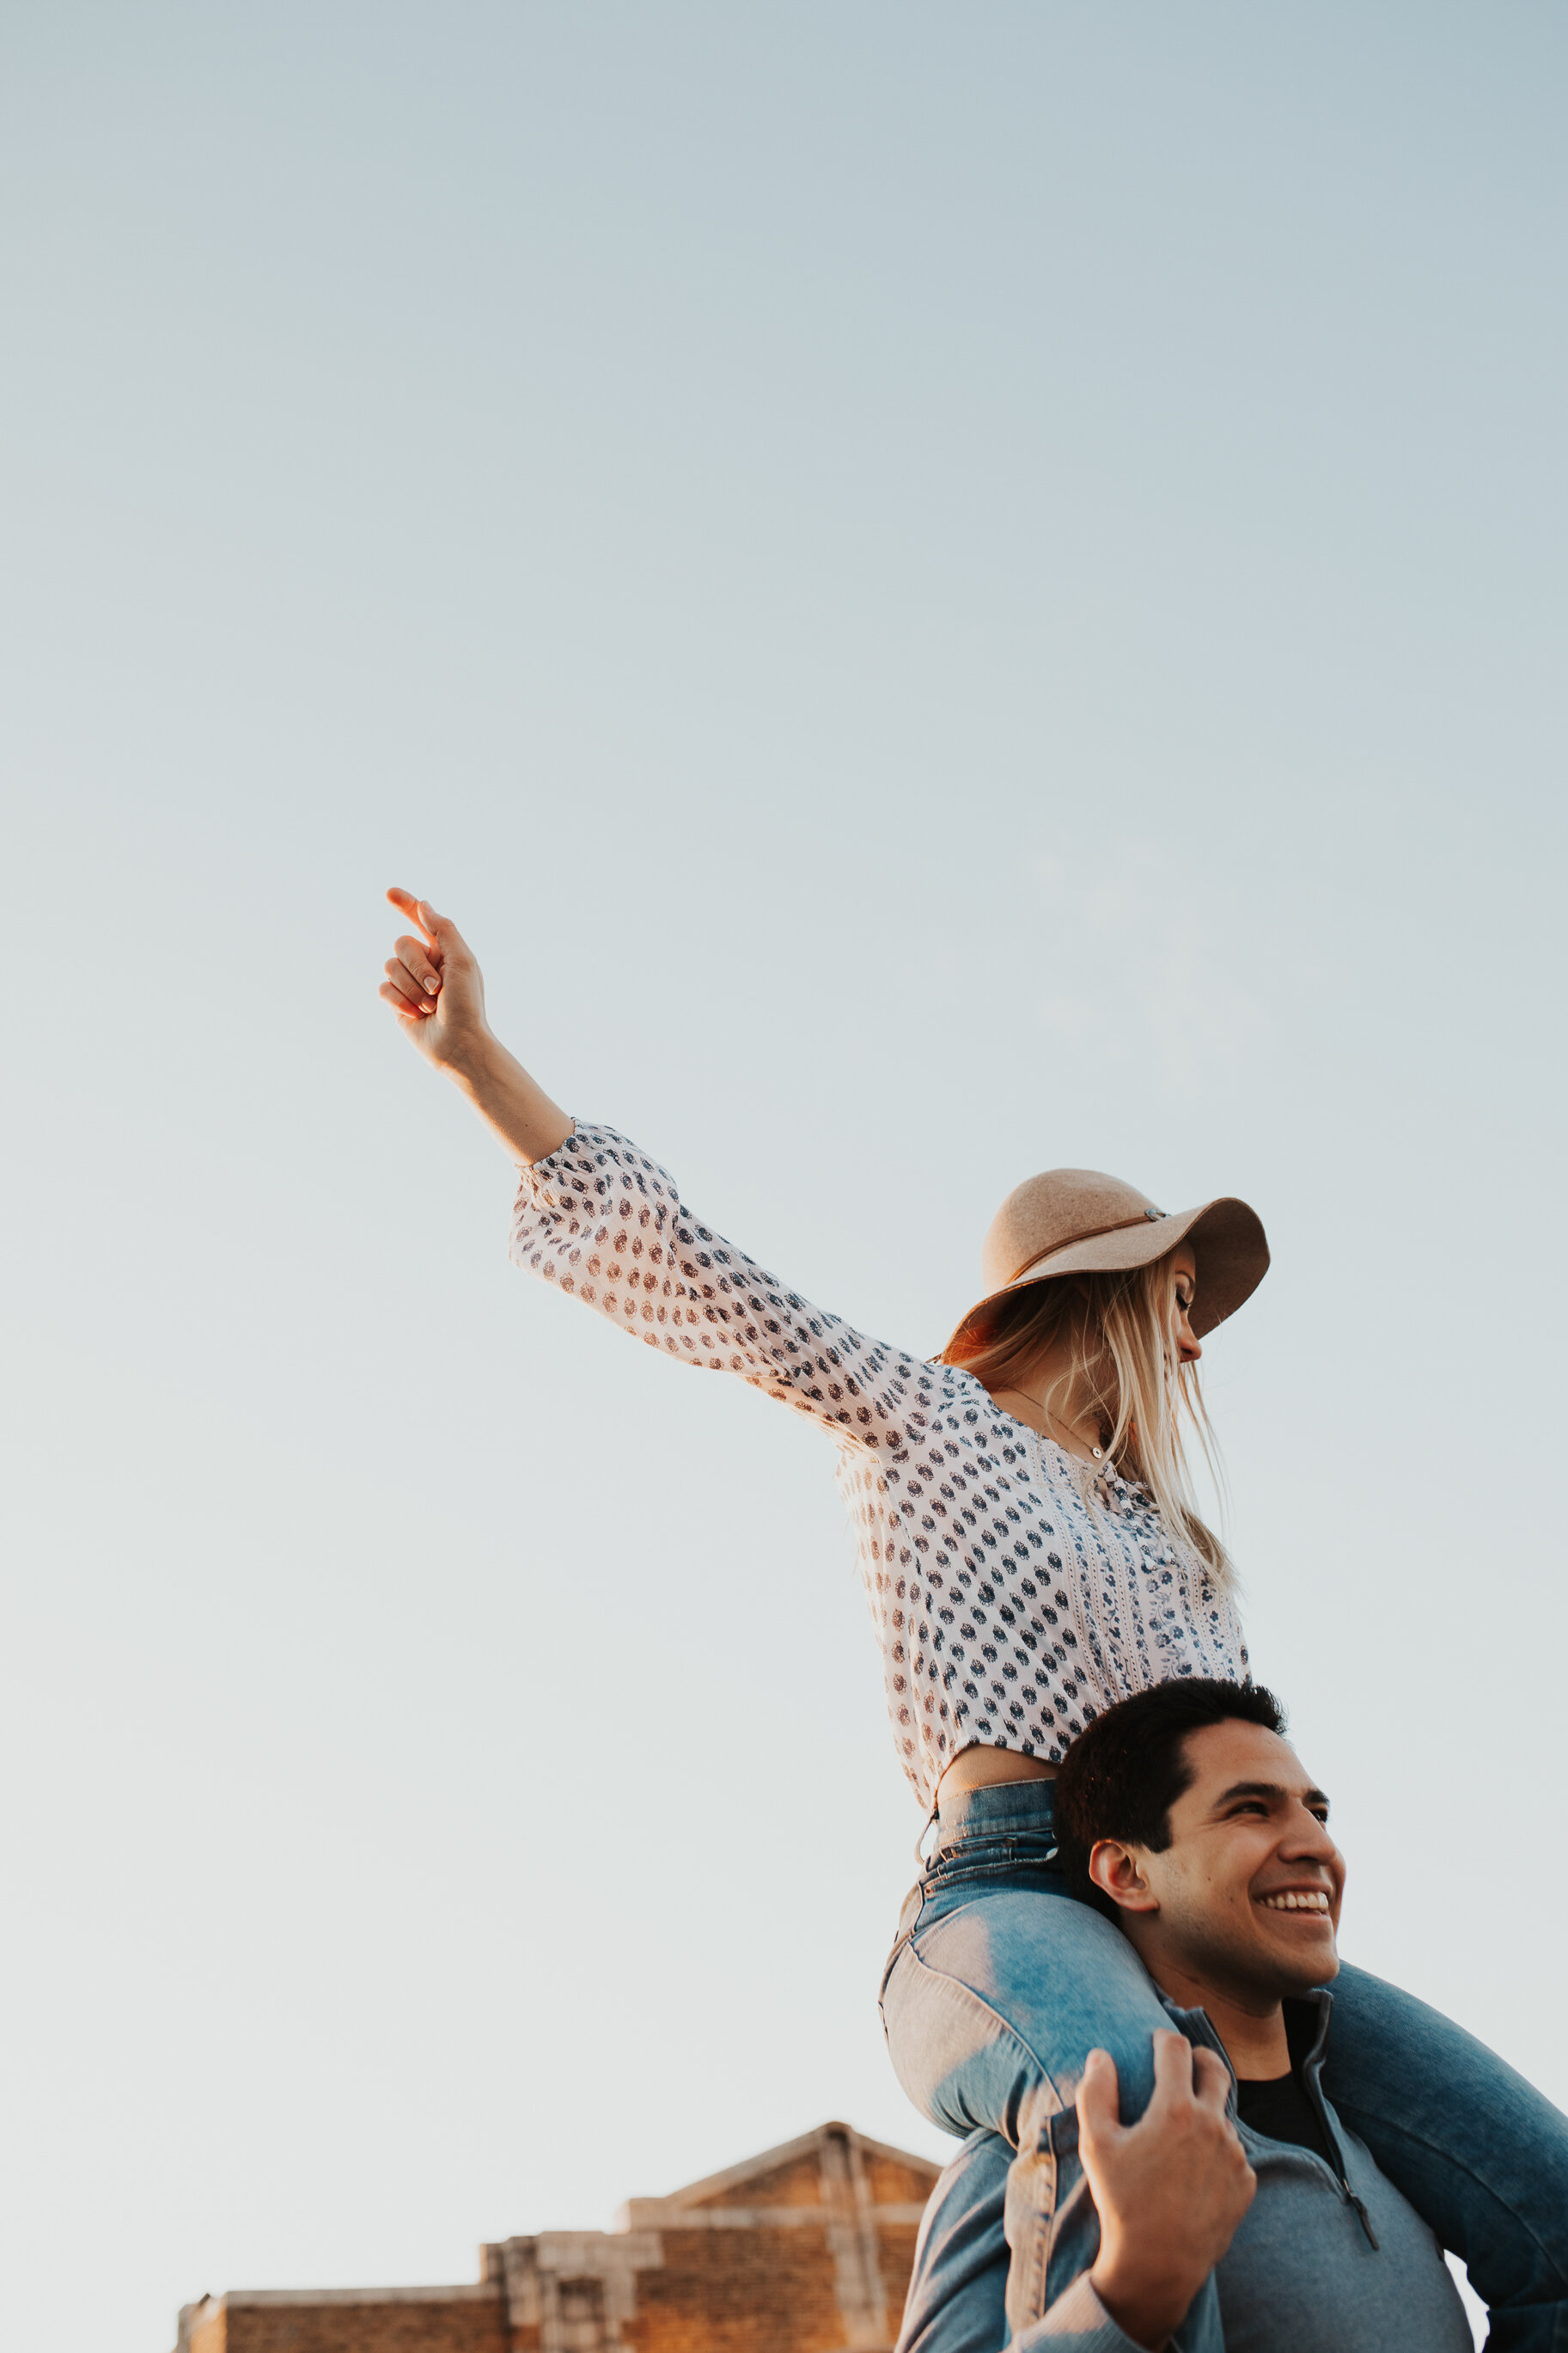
806	2249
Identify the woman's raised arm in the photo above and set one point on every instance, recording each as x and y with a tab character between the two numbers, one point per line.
606	1224
436	988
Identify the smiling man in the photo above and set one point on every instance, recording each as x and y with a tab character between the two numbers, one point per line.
1186	1815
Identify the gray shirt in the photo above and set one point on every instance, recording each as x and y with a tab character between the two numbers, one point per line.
1302	2275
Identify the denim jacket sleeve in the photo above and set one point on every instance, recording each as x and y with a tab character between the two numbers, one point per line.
958	2291
1077	2322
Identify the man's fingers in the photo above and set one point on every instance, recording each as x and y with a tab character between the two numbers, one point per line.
1211	2080
1172	2066
1097	2095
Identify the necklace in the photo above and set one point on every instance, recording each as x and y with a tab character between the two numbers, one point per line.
1097	1451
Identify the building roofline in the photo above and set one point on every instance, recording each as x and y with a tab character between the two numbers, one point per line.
734	2177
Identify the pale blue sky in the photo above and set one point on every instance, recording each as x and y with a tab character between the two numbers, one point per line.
941	591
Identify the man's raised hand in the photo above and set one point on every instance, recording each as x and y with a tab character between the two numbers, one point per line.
1168	2191
434	984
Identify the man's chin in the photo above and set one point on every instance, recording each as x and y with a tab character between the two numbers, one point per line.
1316	1964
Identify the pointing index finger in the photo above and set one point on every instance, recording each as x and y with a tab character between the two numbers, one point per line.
415	909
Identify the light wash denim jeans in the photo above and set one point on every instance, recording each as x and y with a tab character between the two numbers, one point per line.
1000	1985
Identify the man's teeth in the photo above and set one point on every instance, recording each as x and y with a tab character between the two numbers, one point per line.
1313	1901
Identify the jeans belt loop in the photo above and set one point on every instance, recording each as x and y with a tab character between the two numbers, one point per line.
920	1863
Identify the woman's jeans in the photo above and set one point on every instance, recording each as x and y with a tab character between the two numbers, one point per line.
1001	1984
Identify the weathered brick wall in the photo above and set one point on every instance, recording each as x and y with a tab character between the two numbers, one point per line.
463	2323
896	2243
798	2183
893	2181
806	2249
749	2291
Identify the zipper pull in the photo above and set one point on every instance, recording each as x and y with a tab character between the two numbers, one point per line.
1365	2219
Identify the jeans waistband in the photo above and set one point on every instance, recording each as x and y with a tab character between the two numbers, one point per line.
1026	1806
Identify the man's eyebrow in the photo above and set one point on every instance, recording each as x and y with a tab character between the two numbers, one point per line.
1270	1789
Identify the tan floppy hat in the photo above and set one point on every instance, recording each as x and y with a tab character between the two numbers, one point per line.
1078	1221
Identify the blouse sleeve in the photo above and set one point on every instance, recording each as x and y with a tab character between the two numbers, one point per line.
604	1222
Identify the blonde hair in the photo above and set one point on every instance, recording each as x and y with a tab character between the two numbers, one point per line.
1124	1368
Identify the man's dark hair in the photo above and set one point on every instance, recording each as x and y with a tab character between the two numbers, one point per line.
1126	1771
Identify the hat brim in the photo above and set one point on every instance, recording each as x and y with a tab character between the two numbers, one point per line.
1227	1241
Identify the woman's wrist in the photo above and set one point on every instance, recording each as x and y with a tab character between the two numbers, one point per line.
477	1063
515	1109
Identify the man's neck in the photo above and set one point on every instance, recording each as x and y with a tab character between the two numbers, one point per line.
1250	2026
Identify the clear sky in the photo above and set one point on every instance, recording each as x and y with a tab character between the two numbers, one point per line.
941	591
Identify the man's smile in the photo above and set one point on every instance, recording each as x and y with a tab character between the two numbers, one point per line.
1306	1899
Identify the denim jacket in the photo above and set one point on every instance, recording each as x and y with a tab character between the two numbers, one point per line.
1328	2259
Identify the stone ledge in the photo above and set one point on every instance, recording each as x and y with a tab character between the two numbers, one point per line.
250	2299
668	2214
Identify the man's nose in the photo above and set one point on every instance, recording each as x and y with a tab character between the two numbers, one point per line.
1308	1841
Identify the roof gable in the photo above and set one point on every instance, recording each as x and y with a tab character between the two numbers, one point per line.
816	2169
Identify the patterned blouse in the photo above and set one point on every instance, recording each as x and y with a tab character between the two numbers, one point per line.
1015	1594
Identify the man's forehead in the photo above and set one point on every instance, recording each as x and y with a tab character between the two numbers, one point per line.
1220	1755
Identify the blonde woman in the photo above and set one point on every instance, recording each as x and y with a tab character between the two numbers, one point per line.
1031	1553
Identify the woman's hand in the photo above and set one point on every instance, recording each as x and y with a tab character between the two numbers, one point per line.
434	986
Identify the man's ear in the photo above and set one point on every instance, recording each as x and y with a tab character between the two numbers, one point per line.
1117	1872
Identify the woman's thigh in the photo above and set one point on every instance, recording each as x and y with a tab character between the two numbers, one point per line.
992	2008
1479	2152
